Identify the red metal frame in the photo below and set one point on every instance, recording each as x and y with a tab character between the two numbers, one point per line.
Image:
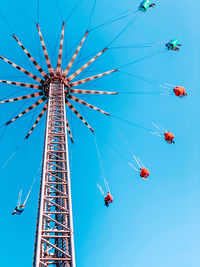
55	236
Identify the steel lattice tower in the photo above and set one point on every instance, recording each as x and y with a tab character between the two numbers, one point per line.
55	236
54	242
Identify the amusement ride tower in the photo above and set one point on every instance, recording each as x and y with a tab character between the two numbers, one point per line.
54	242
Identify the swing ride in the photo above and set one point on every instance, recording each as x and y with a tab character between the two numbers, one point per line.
143	171
169	137
173	45
108	199
56	90
19	208
180	91
145	5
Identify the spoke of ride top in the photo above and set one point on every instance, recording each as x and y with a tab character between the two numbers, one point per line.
58	71
85	66
81	91
45	52
38	119
69	131
31	58
91	78
23	70
86	104
33	86
22	98
78	114
28	109
74	56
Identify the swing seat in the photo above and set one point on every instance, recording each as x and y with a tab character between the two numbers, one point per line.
109	198
179	91
144	173
144	5
169	137
20	209
172	44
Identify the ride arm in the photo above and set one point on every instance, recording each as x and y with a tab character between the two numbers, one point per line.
33	76
37	103
48	62
77	114
27	85
37	120
80	91
74	56
85	66
31	58
21	98
87	104
58	70
91	78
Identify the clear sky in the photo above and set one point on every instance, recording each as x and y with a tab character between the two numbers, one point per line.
149	224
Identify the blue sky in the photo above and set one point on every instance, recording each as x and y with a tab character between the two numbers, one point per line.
154	223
